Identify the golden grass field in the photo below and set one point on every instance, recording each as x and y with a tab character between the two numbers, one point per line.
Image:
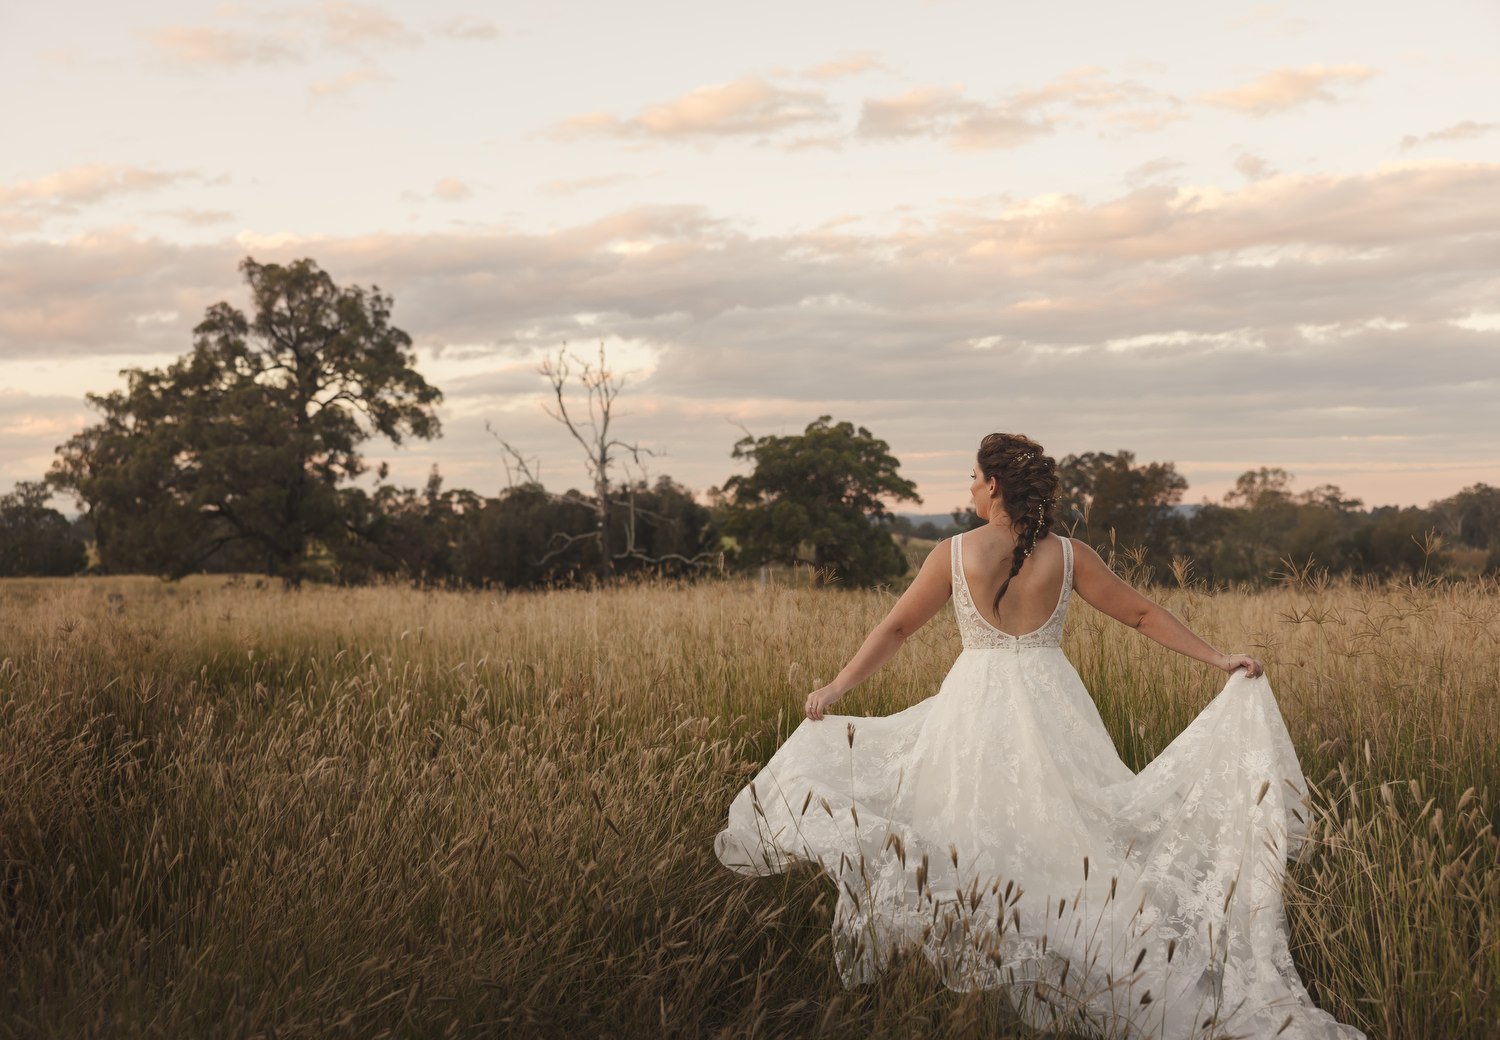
229	810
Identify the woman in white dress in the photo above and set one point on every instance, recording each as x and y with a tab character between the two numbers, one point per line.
994	826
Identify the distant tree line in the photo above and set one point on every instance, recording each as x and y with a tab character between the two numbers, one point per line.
241	456
1262	529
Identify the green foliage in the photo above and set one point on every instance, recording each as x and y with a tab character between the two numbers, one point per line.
1267	528
36	539
1104	497
1391	544
664	530
528	537
1472	517
525	537
240	456
821	488
402	532
241	444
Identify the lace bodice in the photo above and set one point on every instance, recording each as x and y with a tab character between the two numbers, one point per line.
976	630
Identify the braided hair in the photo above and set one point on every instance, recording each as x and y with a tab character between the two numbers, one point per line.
1028	485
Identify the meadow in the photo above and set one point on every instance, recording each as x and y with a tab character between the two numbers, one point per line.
230	810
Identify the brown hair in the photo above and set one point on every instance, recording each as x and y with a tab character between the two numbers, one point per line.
1027	480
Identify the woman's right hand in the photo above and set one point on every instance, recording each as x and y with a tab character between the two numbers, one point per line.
1252	667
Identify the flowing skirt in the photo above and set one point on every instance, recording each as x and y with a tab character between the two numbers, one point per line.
994	827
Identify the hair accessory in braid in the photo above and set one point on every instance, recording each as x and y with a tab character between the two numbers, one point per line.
1040	519
1024	474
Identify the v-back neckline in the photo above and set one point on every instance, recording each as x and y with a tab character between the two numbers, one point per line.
1062	594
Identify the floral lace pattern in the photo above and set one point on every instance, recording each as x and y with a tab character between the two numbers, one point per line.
993	827
976	629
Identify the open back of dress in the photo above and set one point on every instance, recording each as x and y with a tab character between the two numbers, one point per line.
993	826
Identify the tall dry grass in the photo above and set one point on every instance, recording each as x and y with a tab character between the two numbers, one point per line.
235	811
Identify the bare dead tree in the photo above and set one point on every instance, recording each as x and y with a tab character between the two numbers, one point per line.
601	452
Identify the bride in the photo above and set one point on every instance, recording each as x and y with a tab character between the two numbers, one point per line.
994	827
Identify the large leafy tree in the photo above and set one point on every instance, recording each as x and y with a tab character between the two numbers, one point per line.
1111	492
822	489
241	444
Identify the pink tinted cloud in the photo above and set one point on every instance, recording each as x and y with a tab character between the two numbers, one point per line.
202	45
1286	88
294	34
1324	249
451	189
1013	119
1467	130
945	112
1338	294
27	205
566	187
849	65
345	83
746	106
753	106
347	25
468	27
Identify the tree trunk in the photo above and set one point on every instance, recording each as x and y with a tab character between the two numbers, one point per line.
606	549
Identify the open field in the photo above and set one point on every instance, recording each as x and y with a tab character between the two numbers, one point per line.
229	810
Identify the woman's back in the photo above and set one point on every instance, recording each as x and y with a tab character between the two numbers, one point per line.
1034	592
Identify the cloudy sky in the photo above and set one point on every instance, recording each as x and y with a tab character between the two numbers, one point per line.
1226	235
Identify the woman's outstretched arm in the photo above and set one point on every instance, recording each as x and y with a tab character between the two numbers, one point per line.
1107	592
923	598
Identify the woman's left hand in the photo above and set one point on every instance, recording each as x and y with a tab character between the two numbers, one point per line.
1252	667
821	699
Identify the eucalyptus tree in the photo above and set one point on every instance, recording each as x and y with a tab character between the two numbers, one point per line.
817	497
240	445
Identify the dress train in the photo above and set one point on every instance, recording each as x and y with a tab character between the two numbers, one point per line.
994	827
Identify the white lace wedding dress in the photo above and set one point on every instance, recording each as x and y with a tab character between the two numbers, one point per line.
994	827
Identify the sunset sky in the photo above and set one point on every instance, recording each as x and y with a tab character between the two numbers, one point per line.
1225	235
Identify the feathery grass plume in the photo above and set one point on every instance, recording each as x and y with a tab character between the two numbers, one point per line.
320	783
